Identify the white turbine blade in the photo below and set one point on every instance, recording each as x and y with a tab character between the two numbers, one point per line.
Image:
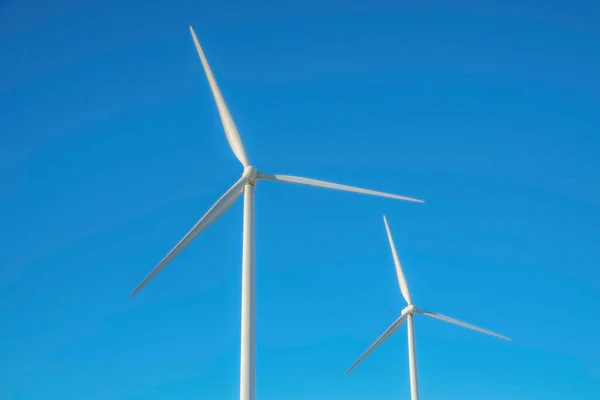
388	332
328	185
211	215
233	137
460	323
401	278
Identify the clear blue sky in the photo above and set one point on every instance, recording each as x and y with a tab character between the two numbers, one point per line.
111	148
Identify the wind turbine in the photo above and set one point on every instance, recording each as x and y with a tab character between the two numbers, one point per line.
407	315
245	185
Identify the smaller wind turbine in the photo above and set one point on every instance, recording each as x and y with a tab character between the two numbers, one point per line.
407	315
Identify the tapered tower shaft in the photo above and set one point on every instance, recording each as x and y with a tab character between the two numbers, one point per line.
412	359
247	365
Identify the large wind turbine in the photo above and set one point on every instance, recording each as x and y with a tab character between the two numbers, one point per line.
407	315
245	185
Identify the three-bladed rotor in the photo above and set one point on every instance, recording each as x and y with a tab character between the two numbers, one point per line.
410	309
250	175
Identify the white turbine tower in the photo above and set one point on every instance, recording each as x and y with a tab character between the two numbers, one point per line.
407	315
245	185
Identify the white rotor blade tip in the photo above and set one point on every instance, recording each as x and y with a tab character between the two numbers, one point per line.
386	334
217	209
329	185
461	323
399	273
231	132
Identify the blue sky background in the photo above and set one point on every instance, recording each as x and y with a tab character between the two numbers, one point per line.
111	148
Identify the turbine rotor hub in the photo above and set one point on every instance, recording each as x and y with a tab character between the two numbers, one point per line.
252	174
409	309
